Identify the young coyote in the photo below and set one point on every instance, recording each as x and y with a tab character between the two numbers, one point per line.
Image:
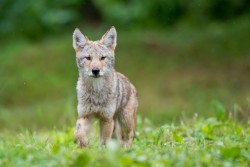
102	92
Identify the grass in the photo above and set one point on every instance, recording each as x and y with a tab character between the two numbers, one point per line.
195	142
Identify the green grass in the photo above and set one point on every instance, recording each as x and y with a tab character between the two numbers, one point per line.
195	142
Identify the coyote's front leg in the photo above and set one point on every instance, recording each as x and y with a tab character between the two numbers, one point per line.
106	130
83	126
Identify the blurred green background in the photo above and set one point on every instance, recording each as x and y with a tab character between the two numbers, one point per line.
183	57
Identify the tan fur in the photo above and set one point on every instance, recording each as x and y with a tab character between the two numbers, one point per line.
108	96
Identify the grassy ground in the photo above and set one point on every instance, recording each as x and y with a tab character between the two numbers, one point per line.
196	142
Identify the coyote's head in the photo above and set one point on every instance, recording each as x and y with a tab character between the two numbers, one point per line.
95	58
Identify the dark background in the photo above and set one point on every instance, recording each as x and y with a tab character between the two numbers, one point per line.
186	58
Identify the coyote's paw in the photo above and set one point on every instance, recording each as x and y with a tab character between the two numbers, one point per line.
81	143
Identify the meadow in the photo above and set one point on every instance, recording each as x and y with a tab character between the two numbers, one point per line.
193	85
197	142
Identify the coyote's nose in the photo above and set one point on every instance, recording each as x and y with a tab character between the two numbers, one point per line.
95	71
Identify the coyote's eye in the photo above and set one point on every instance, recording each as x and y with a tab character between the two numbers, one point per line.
88	57
80	59
103	58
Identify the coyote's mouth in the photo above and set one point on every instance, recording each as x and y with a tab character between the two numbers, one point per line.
96	76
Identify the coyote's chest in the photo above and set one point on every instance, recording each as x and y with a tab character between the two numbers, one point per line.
96	98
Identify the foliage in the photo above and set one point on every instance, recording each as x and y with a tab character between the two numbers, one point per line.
33	19
167	12
196	142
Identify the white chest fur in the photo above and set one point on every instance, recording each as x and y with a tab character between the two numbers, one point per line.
96	96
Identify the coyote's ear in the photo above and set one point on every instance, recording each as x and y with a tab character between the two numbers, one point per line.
79	40
109	38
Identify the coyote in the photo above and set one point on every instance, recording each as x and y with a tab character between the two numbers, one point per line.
102	92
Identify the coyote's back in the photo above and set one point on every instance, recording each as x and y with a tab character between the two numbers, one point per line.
102	92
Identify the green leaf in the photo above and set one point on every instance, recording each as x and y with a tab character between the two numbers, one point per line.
219	110
82	160
231	152
158	135
177	137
